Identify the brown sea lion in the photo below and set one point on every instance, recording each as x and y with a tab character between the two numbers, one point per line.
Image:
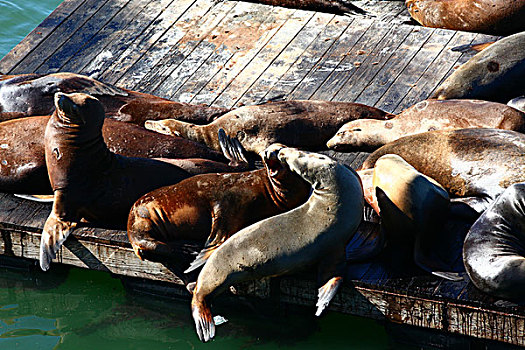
476	163
493	252
495	74
338	7
305	124
88	180
22	161
425	116
32	94
212	207
484	16
313	233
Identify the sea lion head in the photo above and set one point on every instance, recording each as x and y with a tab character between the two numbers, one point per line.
79	109
273	165
366	134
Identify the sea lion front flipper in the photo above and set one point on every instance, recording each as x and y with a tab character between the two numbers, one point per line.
475	48
367	242
201	258
204	324
326	293
53	236
231	148
42	198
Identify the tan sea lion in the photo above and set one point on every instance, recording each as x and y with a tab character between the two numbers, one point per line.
414	209
212	207
22	161
493	252
32	94
484	16
305	124
494	74
314	233
517	103
425	116
88	180
477	163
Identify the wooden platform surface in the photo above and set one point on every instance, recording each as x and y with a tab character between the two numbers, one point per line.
235	53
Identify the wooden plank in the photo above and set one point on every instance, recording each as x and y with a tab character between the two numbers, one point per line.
331	60
371	62
151	35
321	29
346	68
169	52
251	72
435	72
406	80
229	37
401	58
58	37
62	13
112	39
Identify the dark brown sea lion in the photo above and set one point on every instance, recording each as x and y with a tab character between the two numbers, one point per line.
32	94
478	163
426	116
338	7
305	124
495	74
212	207
484	16
313	233
494	249
88	180
22	161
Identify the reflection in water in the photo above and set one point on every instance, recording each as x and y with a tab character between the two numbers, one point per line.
81	309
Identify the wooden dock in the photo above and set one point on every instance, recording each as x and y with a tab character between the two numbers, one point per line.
234	53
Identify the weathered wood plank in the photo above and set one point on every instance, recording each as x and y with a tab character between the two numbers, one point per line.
167	54
38	35
110	40
398	61
288	57
295	74
222	42
151	35
58	37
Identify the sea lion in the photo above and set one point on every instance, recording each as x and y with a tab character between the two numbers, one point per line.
22	161
414	209
212	207
88	180
517	103
425	116
315	232
494	74
32	94
483	16
305	124
475	163
493	252
338	7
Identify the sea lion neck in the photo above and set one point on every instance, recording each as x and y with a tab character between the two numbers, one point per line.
287	189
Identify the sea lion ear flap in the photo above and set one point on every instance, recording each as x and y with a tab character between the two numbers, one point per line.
231	148
53	236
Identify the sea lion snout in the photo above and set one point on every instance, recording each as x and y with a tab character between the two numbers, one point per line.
74	108
270	158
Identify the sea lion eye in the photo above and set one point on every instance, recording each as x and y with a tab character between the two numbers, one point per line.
57	153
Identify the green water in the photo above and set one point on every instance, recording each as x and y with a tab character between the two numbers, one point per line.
79	309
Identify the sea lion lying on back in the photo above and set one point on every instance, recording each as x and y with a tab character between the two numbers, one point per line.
212	207
493	252
304	124
495	74
32	94
484	16
477	163
314	233
89	181
427	116
22	161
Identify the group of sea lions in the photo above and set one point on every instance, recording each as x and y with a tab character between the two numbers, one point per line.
87	143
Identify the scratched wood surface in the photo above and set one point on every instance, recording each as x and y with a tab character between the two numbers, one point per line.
232	53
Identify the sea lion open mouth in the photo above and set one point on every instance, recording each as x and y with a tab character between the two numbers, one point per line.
271	160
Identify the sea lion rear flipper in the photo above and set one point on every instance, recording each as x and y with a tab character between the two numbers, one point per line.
53	236
231	148
451	276
204	323
201	258
326	293
472	47
43	198
367	242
